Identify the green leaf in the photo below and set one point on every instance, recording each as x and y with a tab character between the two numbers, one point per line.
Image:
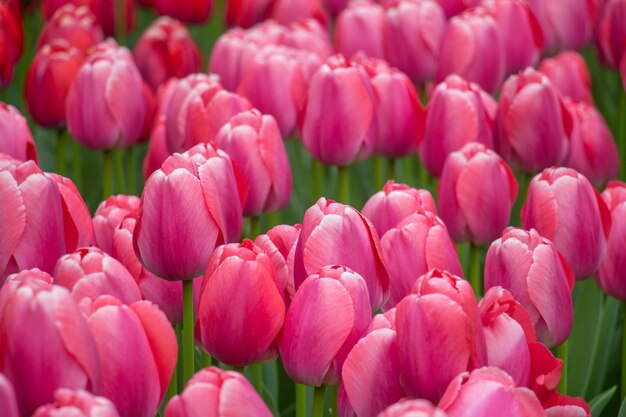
598	404
622	410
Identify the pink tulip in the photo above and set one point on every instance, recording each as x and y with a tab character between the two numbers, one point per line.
308	34
568	72
545	371
226	56
109	215
75	24
360	28
346	134
532	126
327	317
188	11
476	194
394	203
473	112
412	408
63	353
336	6
42	216
11	39
246	13
77	404
566	24
563	406
106	106
213	392
194	204
289	11
157	151
166	50
441	317
564	207
593	151
488	392
418	243
611	274
8	403
454	7
15	137
531	268
279	243
412	33
333	233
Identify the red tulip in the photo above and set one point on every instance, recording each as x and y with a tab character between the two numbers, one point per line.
568	72
165	50
333	233
531	268
77	404
476	194
188	11
532	126
360	28
327	317
15	137
564	406
289	11
441	317
213	392
454	7
412	33
565	208
109	215
279	243
473	113
412	408
42	216
59	353
246	13
566	24
138	342
545	371
8	402
611	274
107	15
75	24
11	39
49	7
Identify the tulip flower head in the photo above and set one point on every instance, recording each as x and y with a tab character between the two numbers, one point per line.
16	139
77	403
611	274
75	24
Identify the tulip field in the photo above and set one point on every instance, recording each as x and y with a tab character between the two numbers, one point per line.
313	208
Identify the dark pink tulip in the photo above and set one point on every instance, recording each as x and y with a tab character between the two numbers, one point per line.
42	216
564	207
89	272
476	194
593	151
412	408
76	24
454	7
336	6
563	406
533	125
8	403
63	353
166	50
611	274
394	203
472	48
489	392
106	106
138	342
279	243
194	202
412	33
568	72
333	233
473	113
289	11
531	268
346	134
566	24
255	144
545	371
16	139
417	244
359	28
107	16
109	215
327	317
246	13
79	403
213	392
157	151
440	317
188	11
11	39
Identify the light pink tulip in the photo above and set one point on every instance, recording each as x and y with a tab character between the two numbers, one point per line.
109	215
8	403
613	267
568	72
360	28
566	24
74	23
69	403
15	137
412	408
279	243
225	59
611	33
310	35
289	11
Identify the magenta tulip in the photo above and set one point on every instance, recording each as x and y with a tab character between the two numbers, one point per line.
77	404
246	13
531	268
8	403
11	39
188	11
109	215
568	72
611	33
16	139
454	7
412	408
360	28
611	274
289	11
279	243
76	24
545	371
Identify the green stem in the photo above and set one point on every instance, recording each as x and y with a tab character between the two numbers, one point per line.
408	169
379	172
120	21
475	275
391	171
274	219
343	181
300	400
178	328
317	179
335	399
240	369
257	377
318	401
107	189
422	176
188	323
623	388
119	170
206	360
255	227
77	165
562	353
61	151
132	171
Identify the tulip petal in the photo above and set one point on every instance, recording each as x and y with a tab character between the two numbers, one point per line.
12	219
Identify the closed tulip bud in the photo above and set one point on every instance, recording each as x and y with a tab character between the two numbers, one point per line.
593	151
78	403
454	7
279	243
412	33
332	233
194	203
8	403
213	391
107	106
143	349
246	13
109	215
63	342
473	111
566	24
394	203
48	81
43	217
360	28
226	57
564	207
487	392
545	371
189	11
11	39
289	11
327	317
568	72
476	194
611	274
533	125
412	408
531	268
16	139
441	316
310	35
347	134
75	24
